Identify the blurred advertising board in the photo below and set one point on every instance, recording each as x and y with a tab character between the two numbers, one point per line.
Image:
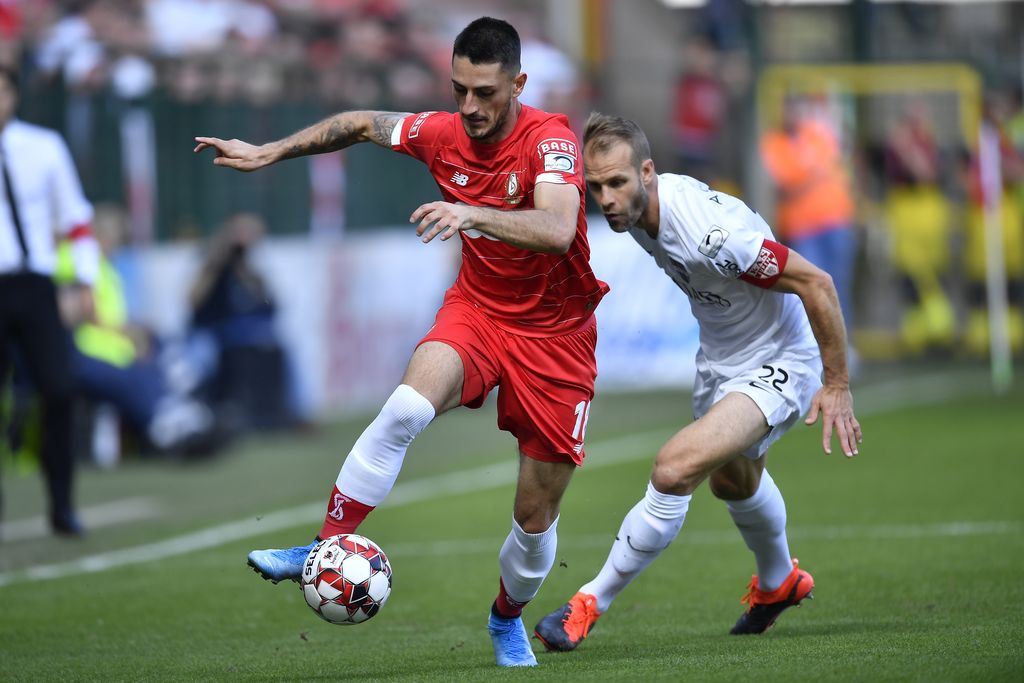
351	311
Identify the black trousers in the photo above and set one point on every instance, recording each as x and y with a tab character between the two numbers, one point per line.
30	322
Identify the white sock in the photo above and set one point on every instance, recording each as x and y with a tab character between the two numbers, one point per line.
648	529
526	559
761	520
370	470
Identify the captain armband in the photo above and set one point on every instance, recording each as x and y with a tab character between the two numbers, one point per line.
768	265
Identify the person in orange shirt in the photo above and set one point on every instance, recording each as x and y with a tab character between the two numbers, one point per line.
815	204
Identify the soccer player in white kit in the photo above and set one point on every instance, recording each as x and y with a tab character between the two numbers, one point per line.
770	329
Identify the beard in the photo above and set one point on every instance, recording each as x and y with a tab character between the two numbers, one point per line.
484	134
637	207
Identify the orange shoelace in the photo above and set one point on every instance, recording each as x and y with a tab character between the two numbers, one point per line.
751	597
756	596
582	615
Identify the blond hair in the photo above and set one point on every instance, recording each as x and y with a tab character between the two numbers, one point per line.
603	130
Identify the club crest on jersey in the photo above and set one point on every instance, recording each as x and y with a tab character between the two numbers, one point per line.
713	241
512	195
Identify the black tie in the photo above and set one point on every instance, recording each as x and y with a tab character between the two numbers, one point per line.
15	216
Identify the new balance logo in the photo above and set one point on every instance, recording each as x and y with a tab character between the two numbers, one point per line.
460	179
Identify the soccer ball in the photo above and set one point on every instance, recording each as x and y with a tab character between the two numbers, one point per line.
346	579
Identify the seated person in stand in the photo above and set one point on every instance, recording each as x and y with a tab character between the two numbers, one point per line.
233	305
114	362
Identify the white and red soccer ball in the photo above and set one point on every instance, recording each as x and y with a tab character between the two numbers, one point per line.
346	579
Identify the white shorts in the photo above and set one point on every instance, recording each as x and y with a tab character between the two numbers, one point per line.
782	388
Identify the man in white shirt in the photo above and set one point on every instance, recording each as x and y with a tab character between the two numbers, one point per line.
40	200
770	323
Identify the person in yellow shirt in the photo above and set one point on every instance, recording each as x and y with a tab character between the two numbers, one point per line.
112	360
918	216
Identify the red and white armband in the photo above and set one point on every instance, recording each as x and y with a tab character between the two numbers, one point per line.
768	265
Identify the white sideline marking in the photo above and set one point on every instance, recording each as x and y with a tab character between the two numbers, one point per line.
104	514
873	399
454	483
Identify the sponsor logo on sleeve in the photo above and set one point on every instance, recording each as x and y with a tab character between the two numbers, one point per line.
414	129
556	145
730	267
559	161
712	242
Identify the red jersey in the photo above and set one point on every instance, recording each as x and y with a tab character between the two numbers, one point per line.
525	292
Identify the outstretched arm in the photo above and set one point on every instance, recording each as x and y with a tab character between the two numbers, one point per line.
333	133
549	227
834	401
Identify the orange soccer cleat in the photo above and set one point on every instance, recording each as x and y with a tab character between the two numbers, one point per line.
764	608
567	626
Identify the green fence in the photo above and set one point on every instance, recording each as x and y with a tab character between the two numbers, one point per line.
192	195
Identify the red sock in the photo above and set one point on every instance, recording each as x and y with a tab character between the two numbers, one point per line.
506	606
344	514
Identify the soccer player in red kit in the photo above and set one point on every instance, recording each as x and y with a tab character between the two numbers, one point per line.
520	314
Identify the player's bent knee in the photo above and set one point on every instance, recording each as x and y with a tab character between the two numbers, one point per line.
675	475
535	519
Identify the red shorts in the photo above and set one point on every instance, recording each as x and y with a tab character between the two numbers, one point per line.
547	383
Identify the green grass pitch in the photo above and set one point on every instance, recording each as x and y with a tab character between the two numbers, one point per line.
916	546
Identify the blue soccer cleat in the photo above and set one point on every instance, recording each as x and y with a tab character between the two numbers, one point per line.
280	565
511	644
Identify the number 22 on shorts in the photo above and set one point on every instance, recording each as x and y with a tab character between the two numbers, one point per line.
774	375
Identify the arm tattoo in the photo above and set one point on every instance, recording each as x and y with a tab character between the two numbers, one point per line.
326	136
383	125
341	131
337	136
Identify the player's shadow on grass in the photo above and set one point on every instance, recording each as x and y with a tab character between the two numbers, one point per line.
842	628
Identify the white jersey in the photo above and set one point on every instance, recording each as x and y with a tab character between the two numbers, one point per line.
706	241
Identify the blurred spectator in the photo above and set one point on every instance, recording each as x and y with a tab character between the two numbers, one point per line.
117	363
73	51
553	83
1000	114
815	203
918	215
699	109
725	23
232	305
180	27
41	200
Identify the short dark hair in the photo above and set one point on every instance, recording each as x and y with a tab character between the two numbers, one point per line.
604	130
489	41
10	74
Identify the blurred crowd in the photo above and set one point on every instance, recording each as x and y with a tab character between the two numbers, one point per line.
253	50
